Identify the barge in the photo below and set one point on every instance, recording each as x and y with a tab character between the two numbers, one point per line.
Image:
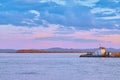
101	52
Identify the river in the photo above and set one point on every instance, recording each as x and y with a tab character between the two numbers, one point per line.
20	66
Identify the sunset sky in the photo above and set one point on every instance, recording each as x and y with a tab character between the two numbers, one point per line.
59	23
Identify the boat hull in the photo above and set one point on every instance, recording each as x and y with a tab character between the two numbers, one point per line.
95	56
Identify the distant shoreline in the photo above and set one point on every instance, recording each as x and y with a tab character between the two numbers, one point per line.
55	50
44	52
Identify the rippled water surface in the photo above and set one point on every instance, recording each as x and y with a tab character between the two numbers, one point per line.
57	67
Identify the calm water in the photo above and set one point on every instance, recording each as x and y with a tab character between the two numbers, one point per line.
57	67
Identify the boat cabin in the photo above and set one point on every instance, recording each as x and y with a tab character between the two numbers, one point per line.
100	51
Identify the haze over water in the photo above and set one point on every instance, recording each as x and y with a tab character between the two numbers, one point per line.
57	67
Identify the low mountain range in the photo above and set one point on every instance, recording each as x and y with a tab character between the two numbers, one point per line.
55	50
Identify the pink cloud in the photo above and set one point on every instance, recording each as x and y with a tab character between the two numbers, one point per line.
24	37
40	44
93	34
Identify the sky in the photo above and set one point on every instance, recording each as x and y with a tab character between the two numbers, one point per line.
38	24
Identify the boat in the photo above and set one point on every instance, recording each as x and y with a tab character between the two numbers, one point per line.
101	52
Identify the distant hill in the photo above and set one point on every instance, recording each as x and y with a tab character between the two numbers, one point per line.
55	50
70	50
7	51
113	50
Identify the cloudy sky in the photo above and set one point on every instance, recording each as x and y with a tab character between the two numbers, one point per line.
59	23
